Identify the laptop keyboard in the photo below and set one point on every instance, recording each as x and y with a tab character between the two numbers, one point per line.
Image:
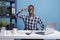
40	33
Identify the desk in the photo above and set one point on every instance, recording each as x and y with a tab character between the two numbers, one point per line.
22	35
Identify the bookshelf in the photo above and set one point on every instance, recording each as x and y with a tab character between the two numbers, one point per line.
7	9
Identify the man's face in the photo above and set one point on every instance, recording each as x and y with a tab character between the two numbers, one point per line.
31	10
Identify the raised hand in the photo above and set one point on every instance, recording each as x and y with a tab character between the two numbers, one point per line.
24	9
19	11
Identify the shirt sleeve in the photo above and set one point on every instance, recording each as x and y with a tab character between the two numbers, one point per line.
41	23
20	16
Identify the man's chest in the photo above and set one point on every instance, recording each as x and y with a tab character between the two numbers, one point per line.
30	20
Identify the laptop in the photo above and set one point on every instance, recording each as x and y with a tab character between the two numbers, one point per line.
50	28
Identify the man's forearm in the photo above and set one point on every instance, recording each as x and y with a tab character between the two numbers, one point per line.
19	11
42	26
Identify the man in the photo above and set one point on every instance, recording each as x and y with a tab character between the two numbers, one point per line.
30	20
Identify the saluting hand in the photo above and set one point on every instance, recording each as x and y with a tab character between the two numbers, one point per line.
24	9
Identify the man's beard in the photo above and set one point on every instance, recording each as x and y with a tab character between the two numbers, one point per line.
31	11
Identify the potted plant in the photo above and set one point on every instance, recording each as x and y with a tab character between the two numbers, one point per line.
3	24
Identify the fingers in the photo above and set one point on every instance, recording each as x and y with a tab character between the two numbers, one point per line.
24	9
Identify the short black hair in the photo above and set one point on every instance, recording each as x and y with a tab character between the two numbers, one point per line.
30	6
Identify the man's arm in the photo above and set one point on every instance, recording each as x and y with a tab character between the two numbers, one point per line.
18	12
41	23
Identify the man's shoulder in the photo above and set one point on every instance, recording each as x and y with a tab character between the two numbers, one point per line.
36	17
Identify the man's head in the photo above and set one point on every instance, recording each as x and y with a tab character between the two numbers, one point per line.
31	9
